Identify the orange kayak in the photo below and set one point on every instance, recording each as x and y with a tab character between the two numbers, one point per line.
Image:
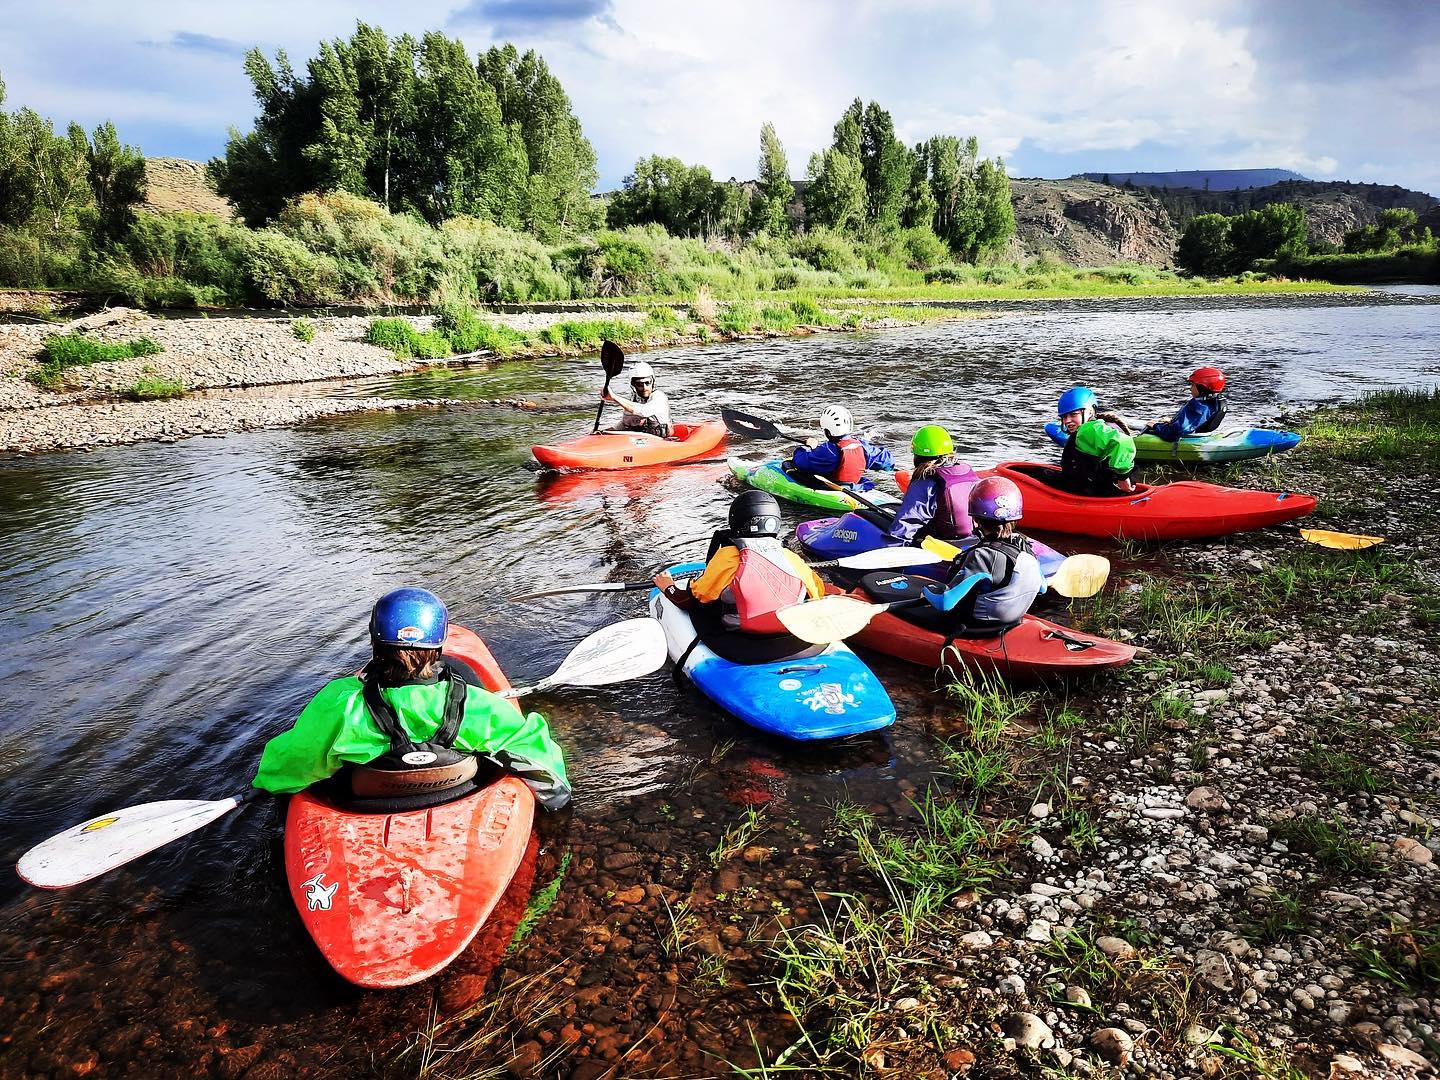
632	449
391	899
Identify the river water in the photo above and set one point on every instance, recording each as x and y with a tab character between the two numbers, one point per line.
170	607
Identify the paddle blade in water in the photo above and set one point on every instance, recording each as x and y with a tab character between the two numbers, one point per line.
1081	575
889	558
1340	541
91	848
831	618
620	651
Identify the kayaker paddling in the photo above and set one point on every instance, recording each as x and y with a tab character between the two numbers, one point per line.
842	455
414	722
749	575
1099	453
648	409
936	503
1202	414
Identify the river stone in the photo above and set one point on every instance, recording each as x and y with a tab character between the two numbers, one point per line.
977	939
1206	798
1077	995
1114	1045
1413	851
1029	1031
1114	947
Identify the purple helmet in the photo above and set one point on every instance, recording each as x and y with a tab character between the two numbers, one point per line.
996	499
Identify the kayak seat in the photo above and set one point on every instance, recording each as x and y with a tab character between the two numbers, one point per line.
741	648
338	791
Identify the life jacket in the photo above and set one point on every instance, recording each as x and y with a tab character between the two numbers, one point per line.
952	502
852	460
1085	474
764	583
1217	415
1007	601
411	768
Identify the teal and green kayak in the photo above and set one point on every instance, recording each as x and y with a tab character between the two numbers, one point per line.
771	477
1215	448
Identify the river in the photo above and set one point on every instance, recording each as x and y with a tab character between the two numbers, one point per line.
170	607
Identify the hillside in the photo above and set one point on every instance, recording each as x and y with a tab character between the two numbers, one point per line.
176	184
1201	179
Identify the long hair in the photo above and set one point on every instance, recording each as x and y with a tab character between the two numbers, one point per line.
394	665
926	467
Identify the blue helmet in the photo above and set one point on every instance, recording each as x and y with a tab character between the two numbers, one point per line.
411	618
1081	397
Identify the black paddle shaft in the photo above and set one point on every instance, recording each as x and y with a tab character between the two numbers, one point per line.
612	360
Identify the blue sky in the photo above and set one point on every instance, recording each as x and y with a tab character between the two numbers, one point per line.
1331	89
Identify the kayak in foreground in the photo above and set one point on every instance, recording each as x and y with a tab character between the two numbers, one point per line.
391	898
1216	447
631	449
1033	650
833	538
825	695
771	477
1185	509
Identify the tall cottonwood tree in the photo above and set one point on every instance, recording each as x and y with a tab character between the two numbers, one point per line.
767	212
116	174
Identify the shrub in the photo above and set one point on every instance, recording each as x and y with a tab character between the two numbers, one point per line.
459	323
405	341
922	248
738	318
807	311
152	388
825	250
303	329
282	270
75	350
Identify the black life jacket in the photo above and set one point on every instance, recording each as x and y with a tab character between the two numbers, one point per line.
411	768
1085	474
1217	402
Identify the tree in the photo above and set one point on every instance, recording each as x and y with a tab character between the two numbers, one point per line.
835	196
1270	232
734	208
885	166
1204	247
768	209
51	167
116	175
996	211
920	204
667	192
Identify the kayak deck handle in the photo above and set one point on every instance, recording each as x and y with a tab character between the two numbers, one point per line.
808	669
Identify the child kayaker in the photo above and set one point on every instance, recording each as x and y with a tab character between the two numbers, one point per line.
1098	458
842	456
1013	577
749	576
1204	411
412	708
937	500
648	409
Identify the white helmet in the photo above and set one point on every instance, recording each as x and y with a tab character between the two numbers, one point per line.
835	421
641	370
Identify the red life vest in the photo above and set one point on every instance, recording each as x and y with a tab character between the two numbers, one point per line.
952	502
852	460
762	587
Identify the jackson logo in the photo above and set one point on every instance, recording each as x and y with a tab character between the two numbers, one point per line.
847	535
637	441
318	895
410	633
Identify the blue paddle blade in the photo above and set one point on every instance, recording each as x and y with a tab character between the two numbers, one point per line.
951	597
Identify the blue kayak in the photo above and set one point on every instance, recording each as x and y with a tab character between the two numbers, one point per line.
831	538
825	696
1215	447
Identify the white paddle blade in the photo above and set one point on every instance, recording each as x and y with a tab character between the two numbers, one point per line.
1081	575
889	558
1340	541
829	619
620	651
93	847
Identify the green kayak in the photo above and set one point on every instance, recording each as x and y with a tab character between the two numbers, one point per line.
771	477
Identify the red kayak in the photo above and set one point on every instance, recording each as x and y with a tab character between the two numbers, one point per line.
1186	509
632	449
391	899
1033	651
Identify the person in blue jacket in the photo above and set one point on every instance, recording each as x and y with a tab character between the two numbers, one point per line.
1201	414
842	457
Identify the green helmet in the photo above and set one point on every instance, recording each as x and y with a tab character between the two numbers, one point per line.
932	441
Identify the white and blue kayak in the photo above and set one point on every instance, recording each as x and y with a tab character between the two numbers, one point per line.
1213	448
825	696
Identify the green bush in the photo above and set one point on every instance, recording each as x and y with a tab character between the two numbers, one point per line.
808	311
405	341
152	388
738	318
61	353
461	326
280	269
825	250
923	249
303	329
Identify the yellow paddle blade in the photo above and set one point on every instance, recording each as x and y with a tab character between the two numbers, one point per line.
1081	575
1340	541
831	618
946	551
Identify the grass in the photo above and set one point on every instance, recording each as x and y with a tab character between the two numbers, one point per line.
1279	917
739	836
1329	840
1343	771
541	902
65	351
1260	1062
1387	425
303	329
1152	982
1404	955
949	849
1343	576
153	388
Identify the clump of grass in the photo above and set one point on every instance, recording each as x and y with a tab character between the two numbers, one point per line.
1352	576
1279	917
303	329
62	352
1329	840
405	341
541	902
702	308
1261	1062
1217	675
1403	954
949	849
1344	771
1387	425
1418	729
587	334
152	388
737	837
1154	981
739	317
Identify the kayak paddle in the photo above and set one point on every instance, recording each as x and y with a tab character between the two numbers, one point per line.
947	552
1340	541
612	360
749	426
625	650
892	558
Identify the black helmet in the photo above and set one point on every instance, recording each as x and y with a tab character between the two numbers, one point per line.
755	513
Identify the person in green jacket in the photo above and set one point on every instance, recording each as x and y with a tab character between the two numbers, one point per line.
413	712
1098	458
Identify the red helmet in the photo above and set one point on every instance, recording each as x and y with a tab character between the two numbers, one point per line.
1210	378
996	498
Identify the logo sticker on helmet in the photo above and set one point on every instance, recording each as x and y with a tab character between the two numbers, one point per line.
419	757
409	633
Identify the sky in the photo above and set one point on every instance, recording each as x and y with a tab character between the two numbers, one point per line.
1334	90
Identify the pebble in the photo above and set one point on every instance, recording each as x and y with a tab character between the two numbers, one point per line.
1413	851
1028	1031
1041	847
1078	995
1113	1044
1040	810
1114	947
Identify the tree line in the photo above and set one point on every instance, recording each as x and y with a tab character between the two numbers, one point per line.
1214	244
